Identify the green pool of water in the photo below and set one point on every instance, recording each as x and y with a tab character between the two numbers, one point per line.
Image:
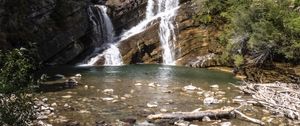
88	106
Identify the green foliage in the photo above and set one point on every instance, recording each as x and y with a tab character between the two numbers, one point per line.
16	110
238	60
265	30
17	68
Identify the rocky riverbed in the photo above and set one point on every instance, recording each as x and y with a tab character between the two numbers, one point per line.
125	96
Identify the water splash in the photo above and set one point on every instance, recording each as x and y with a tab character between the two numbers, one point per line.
113	56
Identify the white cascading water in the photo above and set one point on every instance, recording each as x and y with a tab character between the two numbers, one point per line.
111	55
167	34
166	11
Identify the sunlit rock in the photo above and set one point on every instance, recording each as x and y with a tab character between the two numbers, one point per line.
210	100
182	123
128	96
225	124
138	84
108	91
84	112
78	75
189	88
152	85
107	99
67	96
206	119
214	86
152	105
54	104
163	110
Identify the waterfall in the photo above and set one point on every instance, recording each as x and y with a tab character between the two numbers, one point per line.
112	55
167	34
166	11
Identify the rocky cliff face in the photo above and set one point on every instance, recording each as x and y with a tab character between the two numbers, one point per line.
66	29
195	45
62	29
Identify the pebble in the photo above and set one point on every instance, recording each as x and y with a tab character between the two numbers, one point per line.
163	110
214	86
152	105
107	99
41	123
132	91
220	93
206	119
238	97
115	101
108	91
208	94
200	92
86	86
189	88
42	117
67	96
225	124
54	104
78	75
151	85
45	99
46	112
210	100
66	105
182	123
128	96
84	112
44	108
138	84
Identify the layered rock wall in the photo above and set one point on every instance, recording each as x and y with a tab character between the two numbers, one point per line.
193	41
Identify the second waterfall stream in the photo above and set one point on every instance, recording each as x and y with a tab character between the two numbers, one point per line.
165	12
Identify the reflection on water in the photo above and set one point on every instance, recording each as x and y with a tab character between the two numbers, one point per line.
130	99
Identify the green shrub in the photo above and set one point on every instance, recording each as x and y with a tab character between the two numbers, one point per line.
263	30
16	72
17	68
238	60
16	110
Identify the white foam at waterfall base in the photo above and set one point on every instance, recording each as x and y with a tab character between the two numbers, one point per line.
112	56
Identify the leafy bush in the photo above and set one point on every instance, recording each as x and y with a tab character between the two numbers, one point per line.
17	68
238	60
16	110
263	30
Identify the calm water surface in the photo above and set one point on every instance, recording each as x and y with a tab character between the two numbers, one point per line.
88	106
